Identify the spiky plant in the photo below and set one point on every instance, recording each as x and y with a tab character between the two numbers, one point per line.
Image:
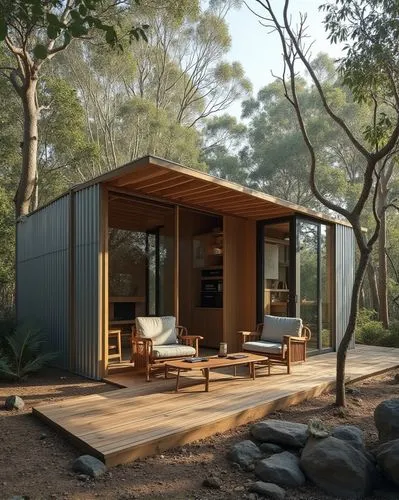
23	353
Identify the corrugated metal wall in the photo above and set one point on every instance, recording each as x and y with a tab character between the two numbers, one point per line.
87	352
344	276
42	263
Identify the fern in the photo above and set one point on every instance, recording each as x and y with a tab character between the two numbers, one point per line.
24	353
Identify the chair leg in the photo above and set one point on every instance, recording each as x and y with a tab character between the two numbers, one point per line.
147	370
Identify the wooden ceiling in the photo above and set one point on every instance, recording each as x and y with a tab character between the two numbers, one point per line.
177	185
135	215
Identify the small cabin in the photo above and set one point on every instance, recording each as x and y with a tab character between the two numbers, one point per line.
156	238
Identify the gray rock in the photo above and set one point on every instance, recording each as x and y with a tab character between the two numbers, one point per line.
91	466
245	453
282	469
386	418
281	432
83	477
338	468
14	403
351	434
268	490
271	448
353	391
388	460
317	428
212	482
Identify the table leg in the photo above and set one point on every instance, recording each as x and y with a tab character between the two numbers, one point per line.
235	370
253	371
177	379
166	371
206	370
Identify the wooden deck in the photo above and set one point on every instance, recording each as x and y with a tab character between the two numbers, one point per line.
147	418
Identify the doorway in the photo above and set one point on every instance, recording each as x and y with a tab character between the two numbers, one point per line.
294	275
141	253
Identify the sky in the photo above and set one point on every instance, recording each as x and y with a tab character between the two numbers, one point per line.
259	51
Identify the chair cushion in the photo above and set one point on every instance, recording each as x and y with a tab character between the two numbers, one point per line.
275	327
172	351
264	347
162	330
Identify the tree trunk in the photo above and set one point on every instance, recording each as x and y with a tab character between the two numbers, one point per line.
383	273
343	346
27	182
372	279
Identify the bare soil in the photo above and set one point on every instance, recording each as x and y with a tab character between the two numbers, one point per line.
35	461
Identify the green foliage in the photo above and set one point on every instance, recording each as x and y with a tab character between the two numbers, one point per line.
23	353
371	332
369	30
279	157
59	24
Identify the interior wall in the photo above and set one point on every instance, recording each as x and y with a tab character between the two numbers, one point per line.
191	224
239	312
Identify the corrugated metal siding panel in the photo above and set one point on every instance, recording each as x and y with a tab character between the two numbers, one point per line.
86	272
43	274
344	276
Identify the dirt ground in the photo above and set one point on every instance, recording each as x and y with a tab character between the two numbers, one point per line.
35	461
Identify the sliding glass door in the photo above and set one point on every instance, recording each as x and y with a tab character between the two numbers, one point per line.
313	281
294	275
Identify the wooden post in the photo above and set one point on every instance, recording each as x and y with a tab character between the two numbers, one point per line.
177	263
103	285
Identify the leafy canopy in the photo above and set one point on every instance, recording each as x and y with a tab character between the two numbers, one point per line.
60	22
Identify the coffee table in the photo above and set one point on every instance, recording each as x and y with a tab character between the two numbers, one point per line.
213	362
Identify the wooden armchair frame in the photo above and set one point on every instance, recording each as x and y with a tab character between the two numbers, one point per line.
142	350
293	349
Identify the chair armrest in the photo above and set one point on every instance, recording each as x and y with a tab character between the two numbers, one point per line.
199	337
306	333
248	336
143	340
289	338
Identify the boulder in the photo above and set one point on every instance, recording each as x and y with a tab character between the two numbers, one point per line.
14	403
386	418
282	469
281	432
212	482
270	448
388	460
338	468
91	466
351	434
268	490
245	453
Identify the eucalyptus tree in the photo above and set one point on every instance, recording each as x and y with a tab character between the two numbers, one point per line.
34	32
140	102
369	68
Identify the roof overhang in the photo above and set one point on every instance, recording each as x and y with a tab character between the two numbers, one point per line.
172	183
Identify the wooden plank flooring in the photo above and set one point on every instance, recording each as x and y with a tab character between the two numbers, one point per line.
147	418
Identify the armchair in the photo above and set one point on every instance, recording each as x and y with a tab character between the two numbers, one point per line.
157	340
283	340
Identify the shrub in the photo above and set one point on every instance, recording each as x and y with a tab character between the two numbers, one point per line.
392	337
23	353
373	333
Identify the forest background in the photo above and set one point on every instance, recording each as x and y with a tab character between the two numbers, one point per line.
169	95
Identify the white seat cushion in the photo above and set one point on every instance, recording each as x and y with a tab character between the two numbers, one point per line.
162	330
275	327
172	351
264	347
